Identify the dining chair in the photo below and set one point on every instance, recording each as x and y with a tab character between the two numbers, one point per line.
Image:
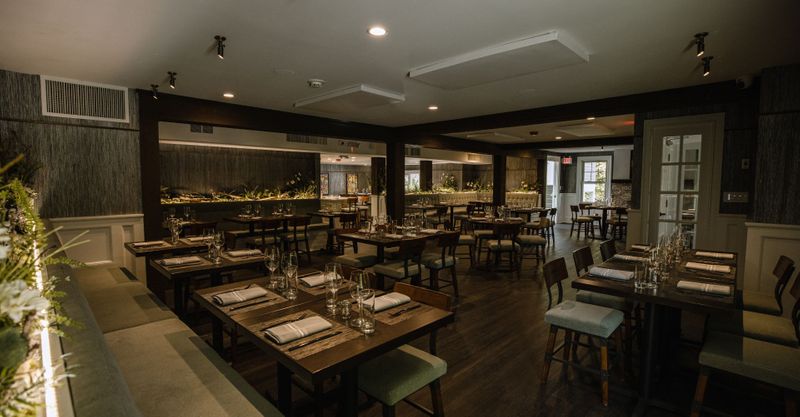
773	305
395	375
619	223
552	234
443	258
607	250
347	221
465	238
438	218
583	261
758	360
406	265
482	233
539	225
504	241
574	317
298	232
532	246
356	260
583	222
269	235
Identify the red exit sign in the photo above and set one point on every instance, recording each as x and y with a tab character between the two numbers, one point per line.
567	160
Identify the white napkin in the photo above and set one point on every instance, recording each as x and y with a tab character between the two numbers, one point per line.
611	273
148	243
699	266
703	287
288	332
244	252
393	236
629	258
185	260
715	255
314	280
431	231
644	248
238	296
386	301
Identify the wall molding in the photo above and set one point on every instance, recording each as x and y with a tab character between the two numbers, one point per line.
765	243
106	235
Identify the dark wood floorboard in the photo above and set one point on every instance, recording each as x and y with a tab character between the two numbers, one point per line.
495	352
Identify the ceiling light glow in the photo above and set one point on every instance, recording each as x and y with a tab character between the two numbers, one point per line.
172	75
154	87
433	107
707	65
558	137
700	40
378	31
228	95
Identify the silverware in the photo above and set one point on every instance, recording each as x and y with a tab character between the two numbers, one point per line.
252	304
405	310
302	316
308	274
234	290
312	341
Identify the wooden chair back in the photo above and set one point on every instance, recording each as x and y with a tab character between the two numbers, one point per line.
795	292
198	227
555	272
506	231
583	260
584	207
349	220
574	211
607	250
783	270
299	225
447	243
429	297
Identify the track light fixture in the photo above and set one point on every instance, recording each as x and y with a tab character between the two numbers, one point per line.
172	79
700	40
154	87
220	46
707	65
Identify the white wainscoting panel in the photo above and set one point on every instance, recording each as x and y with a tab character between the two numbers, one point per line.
563	215
765	243
106	235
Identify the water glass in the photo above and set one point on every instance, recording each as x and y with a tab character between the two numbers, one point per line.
291	283
356	288
333	280
219	244
367	311
271	254
174	230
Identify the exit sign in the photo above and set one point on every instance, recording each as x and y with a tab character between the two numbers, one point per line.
567	160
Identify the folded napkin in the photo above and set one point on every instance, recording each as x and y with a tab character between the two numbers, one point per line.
148	243
244	252
703	287
238	296
611	273
197	238
185	260
699	266
644	248
514	219
715	255
288	332
386	301
431	231
314	280
629	258
393	236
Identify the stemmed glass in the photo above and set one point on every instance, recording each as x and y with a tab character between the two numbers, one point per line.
219	244
289	265
333	280
357	287
174	230
208	239
271	254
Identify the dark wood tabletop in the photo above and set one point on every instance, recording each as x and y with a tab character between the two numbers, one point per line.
166	247
259	219
494	220
207	266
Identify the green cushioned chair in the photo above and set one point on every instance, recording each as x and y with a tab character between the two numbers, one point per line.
434	260
578	318
357	261
393	376
605	300
469	241
397	270
771	304
407	266
755	359
444	258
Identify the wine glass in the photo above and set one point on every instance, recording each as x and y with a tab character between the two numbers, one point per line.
208	239
174	230
271	255
333	279
219	244
290	272
356	288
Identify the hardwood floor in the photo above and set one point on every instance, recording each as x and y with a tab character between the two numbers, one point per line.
495	352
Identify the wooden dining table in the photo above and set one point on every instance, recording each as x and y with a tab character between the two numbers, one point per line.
657	301
340	354
383	242
604	217
331	216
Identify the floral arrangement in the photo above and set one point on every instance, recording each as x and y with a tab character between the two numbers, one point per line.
296	187
477	186
28	301
526	187
449	184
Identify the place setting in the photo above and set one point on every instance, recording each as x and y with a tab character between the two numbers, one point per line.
243	299
303	333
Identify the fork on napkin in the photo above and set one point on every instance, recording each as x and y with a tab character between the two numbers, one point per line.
244	252
292	331
387	301
185	260
314	280
703	287
238	296
699	266
610	273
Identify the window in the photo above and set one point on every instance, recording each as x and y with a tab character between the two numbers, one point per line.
412	181
323	184
594	181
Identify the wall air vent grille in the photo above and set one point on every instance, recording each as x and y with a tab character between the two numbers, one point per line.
314	140
84	100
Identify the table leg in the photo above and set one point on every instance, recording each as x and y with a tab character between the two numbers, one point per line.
216	335
331	227
647	358
348	400
284	390
604	224
177	297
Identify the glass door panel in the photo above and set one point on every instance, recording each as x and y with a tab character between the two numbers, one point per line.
680	182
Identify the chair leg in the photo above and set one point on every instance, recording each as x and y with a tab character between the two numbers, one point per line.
791	403
308	252
436	398
621	354
471	255
571	228
567	345
455	281
575	345
604	370
548	353
699	392
388	410
434	284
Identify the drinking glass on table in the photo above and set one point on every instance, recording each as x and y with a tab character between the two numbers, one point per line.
333	280
174	230
219	244
357	286
208	239
289	265
272	259
368	310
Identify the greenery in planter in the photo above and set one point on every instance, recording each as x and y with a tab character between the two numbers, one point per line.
26	306
296	187
449	184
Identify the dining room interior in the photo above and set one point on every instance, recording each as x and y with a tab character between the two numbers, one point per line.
455	208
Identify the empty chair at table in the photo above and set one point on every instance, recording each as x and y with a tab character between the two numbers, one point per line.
583	222
406	265
766	303
443	258
354	260
607	250
297	233
503	241
619	223
269	235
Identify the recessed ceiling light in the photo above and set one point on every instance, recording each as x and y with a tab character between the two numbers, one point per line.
433	107
558	137
228	95
378	31
590	118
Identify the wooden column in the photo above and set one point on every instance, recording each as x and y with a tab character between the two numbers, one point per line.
425	175
377	175
149	158
395	179
541	177
499	179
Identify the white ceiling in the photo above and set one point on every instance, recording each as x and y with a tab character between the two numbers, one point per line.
617	126
275	46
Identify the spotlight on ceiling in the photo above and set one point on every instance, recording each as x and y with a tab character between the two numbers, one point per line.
154	87
433	107
558	137
172	75
707	65
377	31
590	118
700	40
228	95
220	46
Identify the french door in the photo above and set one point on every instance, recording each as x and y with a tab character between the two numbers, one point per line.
551	182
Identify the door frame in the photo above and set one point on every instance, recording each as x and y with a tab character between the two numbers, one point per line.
712	127
556	181
608	159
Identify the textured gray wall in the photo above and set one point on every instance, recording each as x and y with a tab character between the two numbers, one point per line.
88	168
337	177
519	169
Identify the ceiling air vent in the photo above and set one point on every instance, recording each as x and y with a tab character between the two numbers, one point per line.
314	140
84	100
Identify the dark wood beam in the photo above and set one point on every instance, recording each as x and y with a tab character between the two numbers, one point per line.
395	179
534	149
425	175
499	179
446	142
377	175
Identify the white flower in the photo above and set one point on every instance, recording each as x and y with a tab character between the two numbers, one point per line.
5	246
17	300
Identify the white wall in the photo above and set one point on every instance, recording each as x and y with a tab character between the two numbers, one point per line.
622	164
